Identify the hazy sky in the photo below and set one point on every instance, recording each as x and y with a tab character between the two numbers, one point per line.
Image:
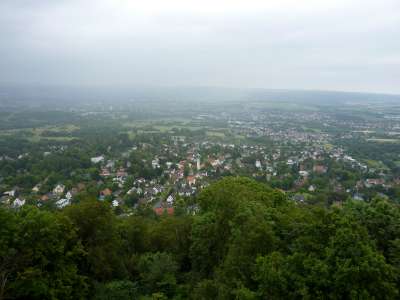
351	45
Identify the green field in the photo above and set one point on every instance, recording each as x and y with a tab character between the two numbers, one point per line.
36	134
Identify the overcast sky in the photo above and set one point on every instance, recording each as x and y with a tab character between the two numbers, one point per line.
350	45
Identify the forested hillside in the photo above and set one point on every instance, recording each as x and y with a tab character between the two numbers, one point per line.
247	241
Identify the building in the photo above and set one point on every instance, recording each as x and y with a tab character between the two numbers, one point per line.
97	159
18	202
191	180
59	189
161	211
63	203
170	200
320	169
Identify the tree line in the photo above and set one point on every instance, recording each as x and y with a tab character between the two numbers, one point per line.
247	241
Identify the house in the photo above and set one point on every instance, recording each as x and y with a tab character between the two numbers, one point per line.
59	189
18	202
320	169
300	182
372	181
105	172
97	159
303	173
63	203
45	198
311	188
299	198
140	180
106	192
68	195
215	162
161	211
348	158
11	193
36	188
170	199
181	165
115	203
131	191
136	190
191	180
290	162
110	164
258	164
121	173
157	189
155	163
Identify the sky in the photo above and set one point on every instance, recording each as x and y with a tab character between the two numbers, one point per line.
346	45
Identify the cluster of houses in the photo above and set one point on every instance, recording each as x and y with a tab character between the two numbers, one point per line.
59	196
198	163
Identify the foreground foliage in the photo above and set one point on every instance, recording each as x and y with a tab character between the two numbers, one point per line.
247	242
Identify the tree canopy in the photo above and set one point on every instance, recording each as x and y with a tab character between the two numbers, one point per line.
246	241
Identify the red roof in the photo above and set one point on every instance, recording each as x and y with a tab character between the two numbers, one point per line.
106	192
191	179
160	210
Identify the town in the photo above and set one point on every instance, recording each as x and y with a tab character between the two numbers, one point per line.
164	163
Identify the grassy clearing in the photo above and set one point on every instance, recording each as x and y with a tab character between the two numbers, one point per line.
36	134
162	126
215	134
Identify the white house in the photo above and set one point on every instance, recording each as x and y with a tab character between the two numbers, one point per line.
36	188
115	203
68	195
18	202
63	203
290	162
59	189
170	199
155	163
258	164
303	173
97	159
10	193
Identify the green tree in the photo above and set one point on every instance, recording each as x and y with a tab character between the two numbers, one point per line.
117	290
158	273
97	229
47	251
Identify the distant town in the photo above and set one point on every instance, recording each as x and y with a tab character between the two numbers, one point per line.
309	152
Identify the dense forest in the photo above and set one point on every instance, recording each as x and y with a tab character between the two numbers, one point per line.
247	241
